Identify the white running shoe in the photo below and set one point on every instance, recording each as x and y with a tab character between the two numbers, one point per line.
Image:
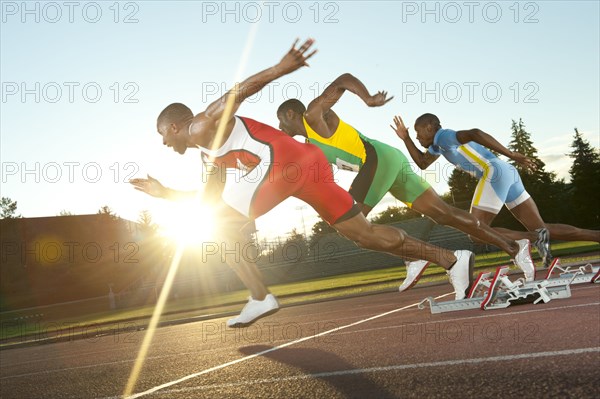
523	260
414	270
254	310
461	273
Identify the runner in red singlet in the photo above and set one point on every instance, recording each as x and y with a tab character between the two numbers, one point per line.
273	167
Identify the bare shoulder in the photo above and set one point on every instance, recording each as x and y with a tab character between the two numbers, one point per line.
332	120
204	130
319	122
313	114
464	136
202	124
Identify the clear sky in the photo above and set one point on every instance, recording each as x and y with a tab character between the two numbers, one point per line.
83	82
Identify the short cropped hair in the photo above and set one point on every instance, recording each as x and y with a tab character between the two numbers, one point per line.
293	104
428	119
174	113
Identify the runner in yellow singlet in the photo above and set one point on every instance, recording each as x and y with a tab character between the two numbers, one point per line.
382	168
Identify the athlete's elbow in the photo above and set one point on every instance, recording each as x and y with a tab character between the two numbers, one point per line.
345	76
422	164
343	80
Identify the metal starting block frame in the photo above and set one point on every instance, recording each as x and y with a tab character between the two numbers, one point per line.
576	273
497	291
503	291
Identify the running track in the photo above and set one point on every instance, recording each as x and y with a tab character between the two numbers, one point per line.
375	346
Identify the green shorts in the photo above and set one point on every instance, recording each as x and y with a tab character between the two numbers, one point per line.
386	169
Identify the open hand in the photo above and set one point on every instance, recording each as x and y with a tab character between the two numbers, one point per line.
296	57
378	99
400	129
524	161
150	186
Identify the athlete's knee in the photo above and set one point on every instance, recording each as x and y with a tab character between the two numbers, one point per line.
476	240
443	218
441	215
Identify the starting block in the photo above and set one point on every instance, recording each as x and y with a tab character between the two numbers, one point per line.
576	273
497	291
503	292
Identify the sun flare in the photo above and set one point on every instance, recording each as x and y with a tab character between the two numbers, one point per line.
188	226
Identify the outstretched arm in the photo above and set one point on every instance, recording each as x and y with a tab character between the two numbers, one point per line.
153	187
331	95
212	190
487	140
207	122
422	159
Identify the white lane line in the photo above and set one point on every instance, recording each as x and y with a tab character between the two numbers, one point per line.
249	357
175	355
324	333
457	362
342	333
194	352
487	316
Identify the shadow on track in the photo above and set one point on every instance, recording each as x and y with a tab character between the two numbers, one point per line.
316	361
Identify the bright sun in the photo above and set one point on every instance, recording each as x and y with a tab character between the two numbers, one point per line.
188	226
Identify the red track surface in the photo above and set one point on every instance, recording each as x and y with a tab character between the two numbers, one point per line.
544	350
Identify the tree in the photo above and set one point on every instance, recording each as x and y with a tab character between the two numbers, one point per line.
521	142
146	225
105	210
108	223
585	182
64	212
8	209
294	249
462	186
395	214
145	218
321	228
298	242
549	193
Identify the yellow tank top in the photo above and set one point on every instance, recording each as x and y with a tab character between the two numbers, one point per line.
344	148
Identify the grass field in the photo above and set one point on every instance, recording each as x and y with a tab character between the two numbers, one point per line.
292	293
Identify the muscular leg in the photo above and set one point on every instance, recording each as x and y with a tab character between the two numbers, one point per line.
365	209
487	218
246	270
431	205
527	213
392	240
517	235
483	216
567	232
251	277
